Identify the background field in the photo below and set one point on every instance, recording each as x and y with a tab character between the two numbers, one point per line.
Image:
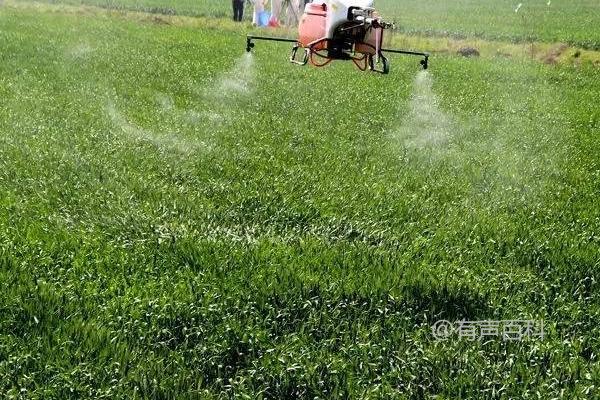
575	22
180	220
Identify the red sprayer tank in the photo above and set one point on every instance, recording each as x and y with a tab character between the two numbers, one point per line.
313	24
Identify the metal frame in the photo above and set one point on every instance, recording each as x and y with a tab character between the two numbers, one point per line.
250	45
424	61
250	38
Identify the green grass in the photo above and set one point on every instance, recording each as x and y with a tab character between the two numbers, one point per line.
576	22
179	222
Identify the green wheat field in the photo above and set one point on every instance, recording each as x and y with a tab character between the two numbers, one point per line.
181	220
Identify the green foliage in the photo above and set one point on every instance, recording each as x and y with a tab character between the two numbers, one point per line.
178	224
576	22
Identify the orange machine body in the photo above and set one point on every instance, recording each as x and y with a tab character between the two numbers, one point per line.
313	31
312	26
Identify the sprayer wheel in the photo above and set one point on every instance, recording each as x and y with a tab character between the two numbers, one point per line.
385	63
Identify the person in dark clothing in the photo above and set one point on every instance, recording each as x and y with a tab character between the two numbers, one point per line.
238	10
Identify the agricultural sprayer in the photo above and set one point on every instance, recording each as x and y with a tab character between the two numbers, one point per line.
349	30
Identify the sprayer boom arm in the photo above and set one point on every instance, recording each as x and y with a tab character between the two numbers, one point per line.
424	61
251	38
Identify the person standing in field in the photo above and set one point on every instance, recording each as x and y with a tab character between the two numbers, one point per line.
238	10
293	12
275	11
259	8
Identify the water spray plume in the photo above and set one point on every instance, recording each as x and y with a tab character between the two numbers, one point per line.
230	88
426	125
237	81
137	133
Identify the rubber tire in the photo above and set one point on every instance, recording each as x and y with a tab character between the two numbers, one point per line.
384	61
